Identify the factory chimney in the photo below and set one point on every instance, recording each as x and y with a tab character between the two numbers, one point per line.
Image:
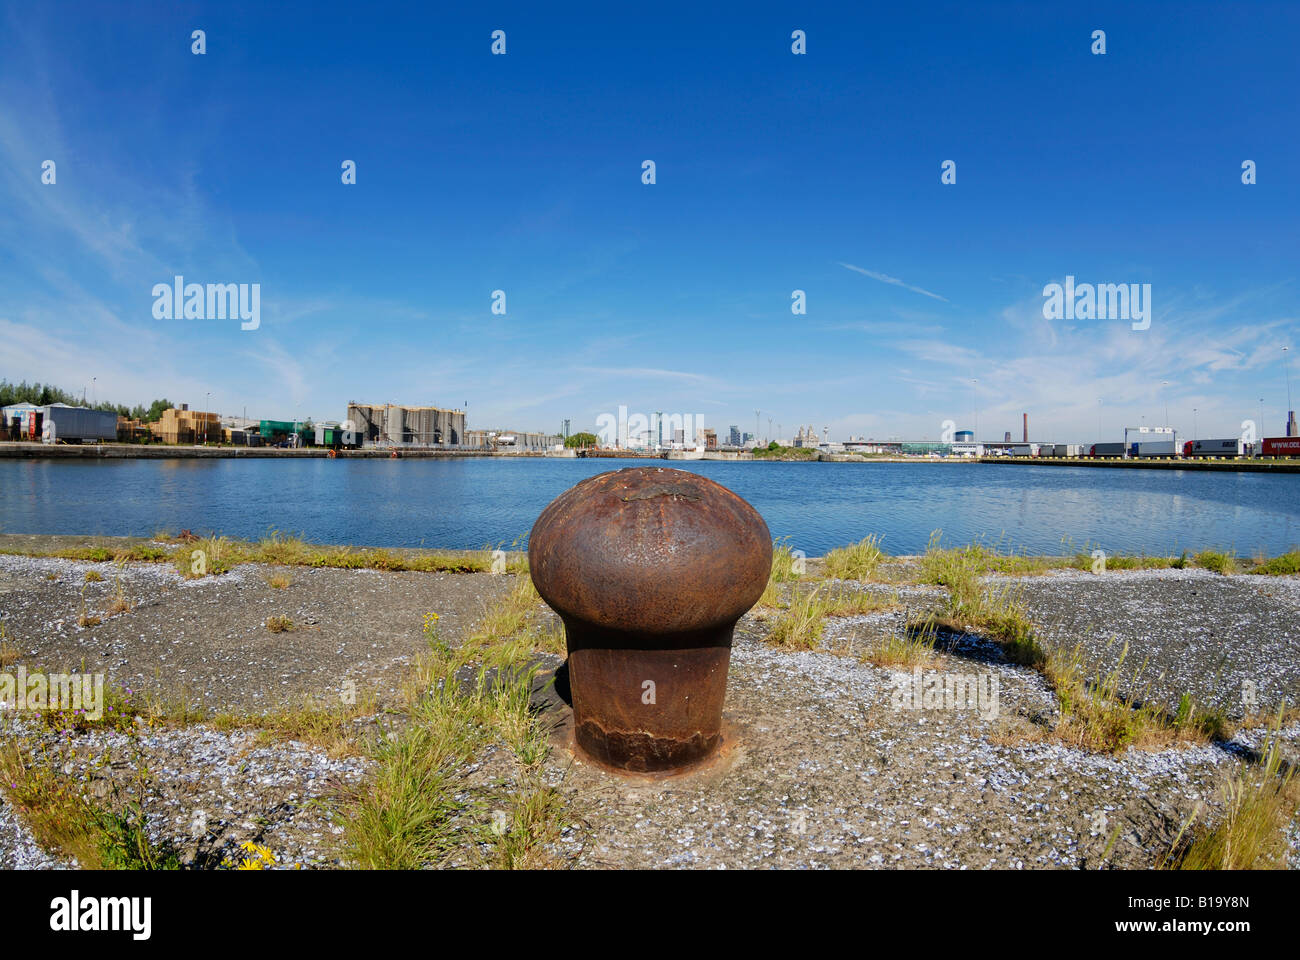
1026	428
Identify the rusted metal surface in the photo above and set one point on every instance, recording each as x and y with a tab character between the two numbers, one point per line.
650	568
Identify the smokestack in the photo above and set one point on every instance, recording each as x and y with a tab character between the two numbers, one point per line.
1026	428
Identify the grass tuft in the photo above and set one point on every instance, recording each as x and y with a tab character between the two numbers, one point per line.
1259	807
1217	561
857	561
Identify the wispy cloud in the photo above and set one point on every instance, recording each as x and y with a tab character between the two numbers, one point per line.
885	278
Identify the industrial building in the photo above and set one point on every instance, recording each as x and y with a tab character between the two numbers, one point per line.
518	440
392	425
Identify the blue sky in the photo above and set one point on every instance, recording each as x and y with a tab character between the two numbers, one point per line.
774	172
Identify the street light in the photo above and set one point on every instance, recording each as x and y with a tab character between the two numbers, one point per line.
974	399
1286	365
1163	384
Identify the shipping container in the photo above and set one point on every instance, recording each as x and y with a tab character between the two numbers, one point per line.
1282	447
1231	447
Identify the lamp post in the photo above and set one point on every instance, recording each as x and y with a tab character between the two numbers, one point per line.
1286	365
1163	384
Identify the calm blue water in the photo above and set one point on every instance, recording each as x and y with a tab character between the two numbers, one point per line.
473	503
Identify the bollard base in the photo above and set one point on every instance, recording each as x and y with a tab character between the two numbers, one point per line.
649	711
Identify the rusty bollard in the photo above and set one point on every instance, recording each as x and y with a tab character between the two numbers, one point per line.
649	568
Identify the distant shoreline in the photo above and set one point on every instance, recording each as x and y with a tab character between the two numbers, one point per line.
133	451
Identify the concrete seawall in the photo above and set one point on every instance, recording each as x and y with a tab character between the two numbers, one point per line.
140	451
1231	466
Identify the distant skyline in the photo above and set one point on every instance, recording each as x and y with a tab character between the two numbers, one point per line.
774	173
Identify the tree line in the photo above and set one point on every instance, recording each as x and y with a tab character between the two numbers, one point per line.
43	393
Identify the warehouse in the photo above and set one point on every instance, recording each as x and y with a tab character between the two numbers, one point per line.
15	420
512	440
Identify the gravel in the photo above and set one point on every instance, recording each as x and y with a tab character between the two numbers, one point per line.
819	768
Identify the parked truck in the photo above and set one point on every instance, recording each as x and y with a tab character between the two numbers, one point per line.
1109	450
1230	447
1155	448
64	424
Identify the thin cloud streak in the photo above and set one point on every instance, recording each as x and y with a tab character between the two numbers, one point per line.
885	278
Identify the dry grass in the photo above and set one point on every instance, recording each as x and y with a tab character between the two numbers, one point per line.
911	648
119	603
858	561
1094	713
332	727
62	819
1218	561
1281	566
9	654
279	582
418	810
94	576
279	624
800	626
220	554
1259	807
802	621
939	564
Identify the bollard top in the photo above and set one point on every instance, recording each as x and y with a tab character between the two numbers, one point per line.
650	551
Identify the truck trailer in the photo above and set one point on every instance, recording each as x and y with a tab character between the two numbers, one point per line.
61	423
1229	447
1155	448
1281	447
